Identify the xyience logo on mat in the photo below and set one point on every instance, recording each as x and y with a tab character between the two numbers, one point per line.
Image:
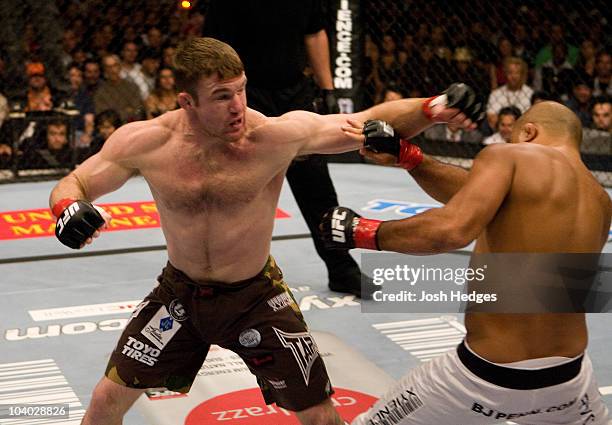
247	407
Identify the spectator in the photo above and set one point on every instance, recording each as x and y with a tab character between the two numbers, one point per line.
389	68
541	96
83	102
393	91
507	118
424	73
438	38
372	84
131	69
106	123
153	40
130	35
69	43
479	43
586	58
4	109
602	114
580	99
39	96
523	45
47	149
163	96
598	140
514	93
5	150
602	84
5	155
555	75
557	37
168	57
150	65
80	56
452	133
466	72
407	49
497	74
91	76
101	41
118	93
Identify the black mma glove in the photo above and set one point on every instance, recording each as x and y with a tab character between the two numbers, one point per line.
381	138
459	96
343	228
77	221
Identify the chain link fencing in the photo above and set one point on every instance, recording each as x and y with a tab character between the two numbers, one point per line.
73	71
514	54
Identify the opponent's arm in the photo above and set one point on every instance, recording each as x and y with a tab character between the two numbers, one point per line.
441	181
437	230
78	220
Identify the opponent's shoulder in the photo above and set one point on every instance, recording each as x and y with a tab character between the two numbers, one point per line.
505	152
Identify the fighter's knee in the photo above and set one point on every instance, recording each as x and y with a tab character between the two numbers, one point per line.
110	401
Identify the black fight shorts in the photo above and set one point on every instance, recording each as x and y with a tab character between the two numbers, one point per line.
169	334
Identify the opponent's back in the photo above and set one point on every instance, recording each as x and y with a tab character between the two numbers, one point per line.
554	205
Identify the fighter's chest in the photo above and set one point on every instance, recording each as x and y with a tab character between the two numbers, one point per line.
195	182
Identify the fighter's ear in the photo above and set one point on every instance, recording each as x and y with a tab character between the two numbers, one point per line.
528	132
185	100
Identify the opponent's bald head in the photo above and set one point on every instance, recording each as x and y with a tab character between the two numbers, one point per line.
554	120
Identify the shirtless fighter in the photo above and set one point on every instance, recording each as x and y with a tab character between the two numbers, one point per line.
215	169
533	195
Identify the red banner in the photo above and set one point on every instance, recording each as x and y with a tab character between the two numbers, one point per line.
125	216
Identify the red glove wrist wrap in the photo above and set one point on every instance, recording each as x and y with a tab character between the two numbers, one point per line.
61	205
427	109
364	233
410	155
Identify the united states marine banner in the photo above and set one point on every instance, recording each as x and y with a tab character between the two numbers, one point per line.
40	222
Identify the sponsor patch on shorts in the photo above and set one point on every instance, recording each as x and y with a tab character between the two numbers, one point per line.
138	309
280	301
278	385
303	347
161	328
177	311
141	352
249	338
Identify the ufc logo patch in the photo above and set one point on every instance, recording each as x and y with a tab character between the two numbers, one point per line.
337	227
66	216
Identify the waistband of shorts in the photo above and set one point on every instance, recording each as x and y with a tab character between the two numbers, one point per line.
173	274
518	379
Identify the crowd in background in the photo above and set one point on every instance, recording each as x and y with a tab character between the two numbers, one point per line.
114	65
512	53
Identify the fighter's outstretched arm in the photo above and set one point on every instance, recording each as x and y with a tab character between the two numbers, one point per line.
437	230
408	117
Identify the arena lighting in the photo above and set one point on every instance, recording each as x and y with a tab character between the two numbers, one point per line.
185	4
